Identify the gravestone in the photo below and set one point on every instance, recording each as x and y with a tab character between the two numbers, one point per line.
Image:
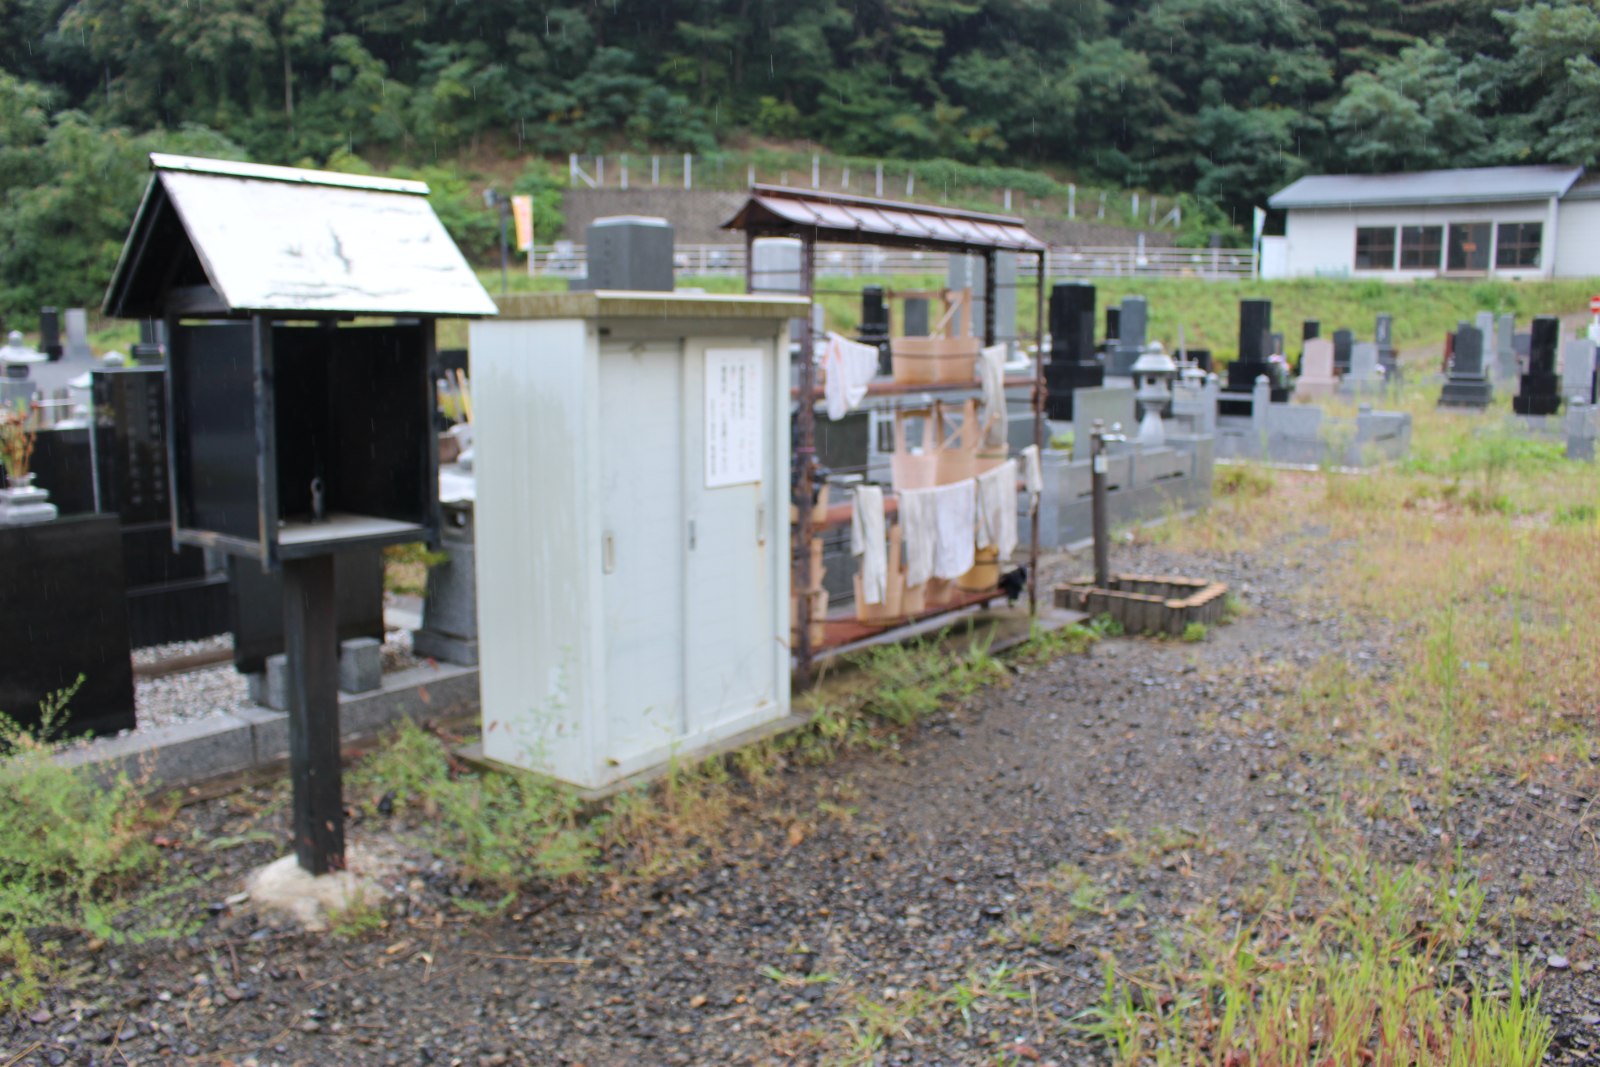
1541	386
966	272
1113	323
1383	337
1316	369
1343	341
1580	430
50	333
1578	369
1522	345
1131	336
1074	364
1310	329
916	316
77	326
450	611
65	618
1005	300
1484	321
1112	405
1505	347
1366	373
1255	346
1467	386
874	328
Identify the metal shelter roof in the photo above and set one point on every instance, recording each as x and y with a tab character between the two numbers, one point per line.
282	239
774	211
1470	185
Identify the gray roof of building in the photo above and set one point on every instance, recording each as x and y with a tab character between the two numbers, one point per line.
284	239
1588	189
1472	185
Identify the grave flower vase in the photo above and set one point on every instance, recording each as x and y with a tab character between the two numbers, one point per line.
24	503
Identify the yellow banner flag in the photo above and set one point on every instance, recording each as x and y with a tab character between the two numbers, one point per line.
522	215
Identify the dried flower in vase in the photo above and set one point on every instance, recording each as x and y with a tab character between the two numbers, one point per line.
16	441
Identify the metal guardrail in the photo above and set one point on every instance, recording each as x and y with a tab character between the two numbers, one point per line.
571	261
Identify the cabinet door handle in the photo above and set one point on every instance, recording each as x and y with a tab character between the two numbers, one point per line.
608	552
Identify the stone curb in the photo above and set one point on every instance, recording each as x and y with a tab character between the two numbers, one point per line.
255	737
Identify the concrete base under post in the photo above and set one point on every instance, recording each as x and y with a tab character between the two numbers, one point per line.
313	902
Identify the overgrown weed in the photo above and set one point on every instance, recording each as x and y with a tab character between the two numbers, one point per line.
1353	962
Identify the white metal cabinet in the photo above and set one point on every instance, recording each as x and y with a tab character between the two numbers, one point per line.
632	456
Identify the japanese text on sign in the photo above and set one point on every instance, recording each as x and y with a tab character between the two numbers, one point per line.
733	416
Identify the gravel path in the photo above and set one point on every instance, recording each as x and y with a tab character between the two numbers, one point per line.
913	879
195	695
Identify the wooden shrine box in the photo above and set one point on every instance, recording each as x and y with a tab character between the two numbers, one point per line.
300	308
632	458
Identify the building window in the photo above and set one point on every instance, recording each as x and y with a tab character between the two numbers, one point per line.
1421	247
1375	248
1517	244
1469	246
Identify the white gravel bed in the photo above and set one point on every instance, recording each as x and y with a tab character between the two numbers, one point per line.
195	695
143	657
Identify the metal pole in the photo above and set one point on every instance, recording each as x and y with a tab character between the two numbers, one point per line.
805	454
989	291
1038	434
505	252
311	639
1097	481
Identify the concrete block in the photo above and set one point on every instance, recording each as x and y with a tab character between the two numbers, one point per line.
445	648
255	685
360	664
277	692
269	733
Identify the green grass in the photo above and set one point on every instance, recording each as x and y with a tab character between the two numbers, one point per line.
1350	961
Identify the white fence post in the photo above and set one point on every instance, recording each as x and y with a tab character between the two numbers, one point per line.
600	171
1102	205
688	171
816	172
655	170
750	175
1008	199
575	172
911	183
1072	200
1135	212
880	178
624	170
845	181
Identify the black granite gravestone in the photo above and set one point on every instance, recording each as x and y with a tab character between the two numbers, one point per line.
172	594
1541	387
1074	364
1343	344
62	616
1255	346
875	325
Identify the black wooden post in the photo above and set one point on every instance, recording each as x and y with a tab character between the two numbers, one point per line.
310	634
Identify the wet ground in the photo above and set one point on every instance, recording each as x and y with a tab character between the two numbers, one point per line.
852	885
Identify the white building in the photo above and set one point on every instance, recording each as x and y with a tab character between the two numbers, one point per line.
1508	222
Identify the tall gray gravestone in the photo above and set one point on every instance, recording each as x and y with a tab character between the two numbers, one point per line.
1467	386
1484	321
1383	337
1577	370
1505	348
1131	326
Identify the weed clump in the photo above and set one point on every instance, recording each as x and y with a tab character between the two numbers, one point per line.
73	855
